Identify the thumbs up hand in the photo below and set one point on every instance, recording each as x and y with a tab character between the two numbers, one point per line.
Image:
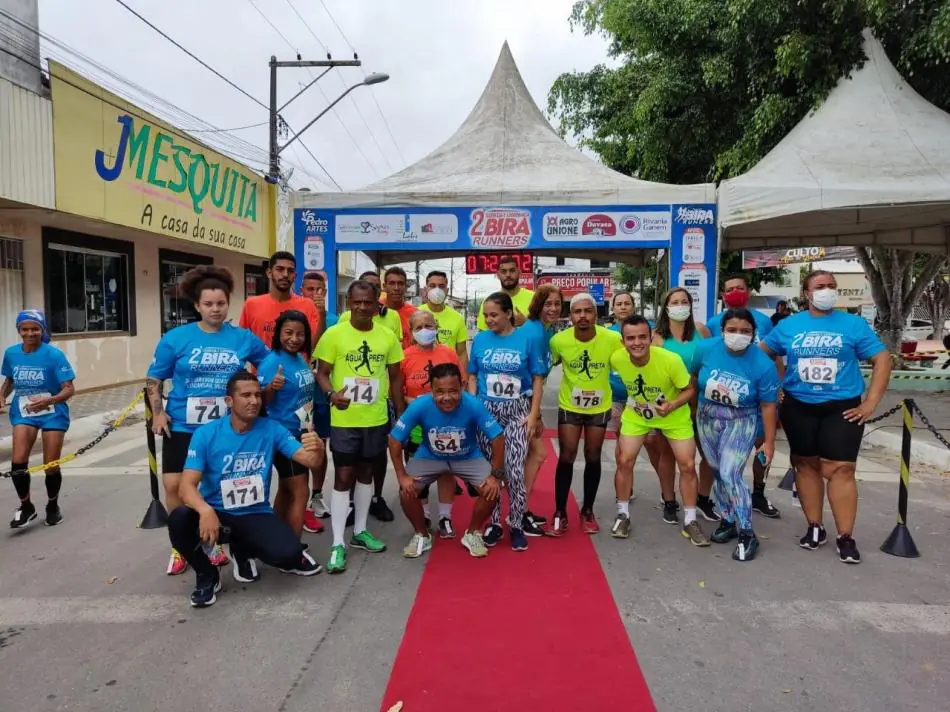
279	379
310	440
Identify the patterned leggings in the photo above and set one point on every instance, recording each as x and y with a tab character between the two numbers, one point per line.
511	415
727	436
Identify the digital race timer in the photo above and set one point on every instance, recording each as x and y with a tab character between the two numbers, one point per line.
487	262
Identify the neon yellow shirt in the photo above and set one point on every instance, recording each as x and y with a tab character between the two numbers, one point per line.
360	361
521	301
450	324
391	321
666	374
585	387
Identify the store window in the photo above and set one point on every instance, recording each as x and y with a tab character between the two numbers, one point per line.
88	283
176	308
255	280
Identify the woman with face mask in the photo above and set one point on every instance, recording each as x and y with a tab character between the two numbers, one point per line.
736	382
822	409
677	331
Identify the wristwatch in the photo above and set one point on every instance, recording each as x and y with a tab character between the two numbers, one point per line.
499	475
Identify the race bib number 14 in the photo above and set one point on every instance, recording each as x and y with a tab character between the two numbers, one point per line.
361	391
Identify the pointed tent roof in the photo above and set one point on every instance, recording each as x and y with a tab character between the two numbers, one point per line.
506	153
870	167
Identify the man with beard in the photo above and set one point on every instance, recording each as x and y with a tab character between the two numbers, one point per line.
394	281
260	313
509	274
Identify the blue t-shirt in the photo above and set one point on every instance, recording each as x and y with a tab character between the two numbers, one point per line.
447	436
291	406
736	380
236	467
504	365
43	371
763	325
824	354
539	336
200	364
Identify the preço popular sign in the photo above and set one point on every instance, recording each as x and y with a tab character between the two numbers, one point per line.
117	163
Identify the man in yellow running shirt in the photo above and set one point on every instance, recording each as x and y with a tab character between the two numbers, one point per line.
449	323
384	315
509	274
658	395
583	405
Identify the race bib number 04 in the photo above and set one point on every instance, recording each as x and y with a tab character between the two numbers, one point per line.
200	410
818	371
361	391
502	385
719	392
446	443
242	492
24	401
586	399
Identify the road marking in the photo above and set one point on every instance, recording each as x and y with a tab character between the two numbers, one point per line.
131	469
97	455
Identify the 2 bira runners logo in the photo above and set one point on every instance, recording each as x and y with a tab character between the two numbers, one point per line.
502	359
817	343
733	382
500	227
26	375
695	216
210	359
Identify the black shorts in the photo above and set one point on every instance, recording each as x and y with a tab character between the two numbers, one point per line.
175	452
355	445
583	420
820	430
286	467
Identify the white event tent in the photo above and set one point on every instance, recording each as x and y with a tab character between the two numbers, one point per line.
871	166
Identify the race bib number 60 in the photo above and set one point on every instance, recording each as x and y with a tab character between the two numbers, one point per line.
818	371
586	399
642	409
242	492
199	411
361	391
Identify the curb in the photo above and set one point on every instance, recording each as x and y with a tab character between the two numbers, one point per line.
86	427
933	455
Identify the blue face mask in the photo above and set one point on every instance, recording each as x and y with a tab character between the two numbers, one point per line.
424	337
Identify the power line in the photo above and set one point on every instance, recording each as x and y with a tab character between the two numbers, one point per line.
339	29
309	28
236	128
274	27
310	153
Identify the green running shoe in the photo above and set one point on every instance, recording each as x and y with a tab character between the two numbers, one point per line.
337	562
367	542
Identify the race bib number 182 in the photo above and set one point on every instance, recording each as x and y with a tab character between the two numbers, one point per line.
818	371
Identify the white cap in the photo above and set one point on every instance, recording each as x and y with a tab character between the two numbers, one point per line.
582	297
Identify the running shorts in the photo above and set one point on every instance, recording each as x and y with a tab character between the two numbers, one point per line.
583	420
672	427
175	451
286	467
473	471
820	430
354	445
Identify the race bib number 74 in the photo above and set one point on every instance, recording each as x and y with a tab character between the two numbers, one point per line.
199	410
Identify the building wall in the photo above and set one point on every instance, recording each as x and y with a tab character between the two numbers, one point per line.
24	42
26	146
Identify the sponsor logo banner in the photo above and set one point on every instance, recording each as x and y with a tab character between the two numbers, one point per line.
752	259
695	216
394	227
576	282
622	226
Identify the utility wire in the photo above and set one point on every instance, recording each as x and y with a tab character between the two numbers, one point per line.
338	28
236	128
309	28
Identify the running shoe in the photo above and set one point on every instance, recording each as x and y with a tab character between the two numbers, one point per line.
762	505
536	518
671	512
176	564
492	535
311	523
706	509
518	540
318	506
695	534
417	546
725	532
747	546
530	527
558	525
379	509
446	530
244	570
589	523
367	542
337	561
206	590
53	514
23	515
621	527
307	566
633	496
218	556
474	543
848	550
815	536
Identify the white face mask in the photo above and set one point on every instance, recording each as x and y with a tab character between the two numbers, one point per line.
436	295
424	337
824	299
737	342
679	312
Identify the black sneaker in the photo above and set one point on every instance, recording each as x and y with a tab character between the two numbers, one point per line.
379	509
706	509
244	570
529	527
518	540
725	532
670	510
53	514
23	515
206	589
537	519
815	536
308	566
762	505
492	535
747	546
848	550
446	530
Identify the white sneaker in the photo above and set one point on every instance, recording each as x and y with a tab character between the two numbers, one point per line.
417	546
318	506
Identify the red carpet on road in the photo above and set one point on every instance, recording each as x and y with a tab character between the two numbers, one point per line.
534	630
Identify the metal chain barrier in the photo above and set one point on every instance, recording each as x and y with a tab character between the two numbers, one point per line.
885	414
86	448
933	431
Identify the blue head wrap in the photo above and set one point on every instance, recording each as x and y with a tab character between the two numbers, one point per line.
37	316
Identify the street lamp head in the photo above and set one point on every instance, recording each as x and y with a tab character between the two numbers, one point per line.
375	78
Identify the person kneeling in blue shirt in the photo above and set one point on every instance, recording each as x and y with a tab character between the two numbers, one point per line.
450	420
226	482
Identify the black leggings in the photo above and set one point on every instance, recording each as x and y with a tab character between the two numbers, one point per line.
253	536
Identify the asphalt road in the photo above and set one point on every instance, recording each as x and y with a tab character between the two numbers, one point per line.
89	622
